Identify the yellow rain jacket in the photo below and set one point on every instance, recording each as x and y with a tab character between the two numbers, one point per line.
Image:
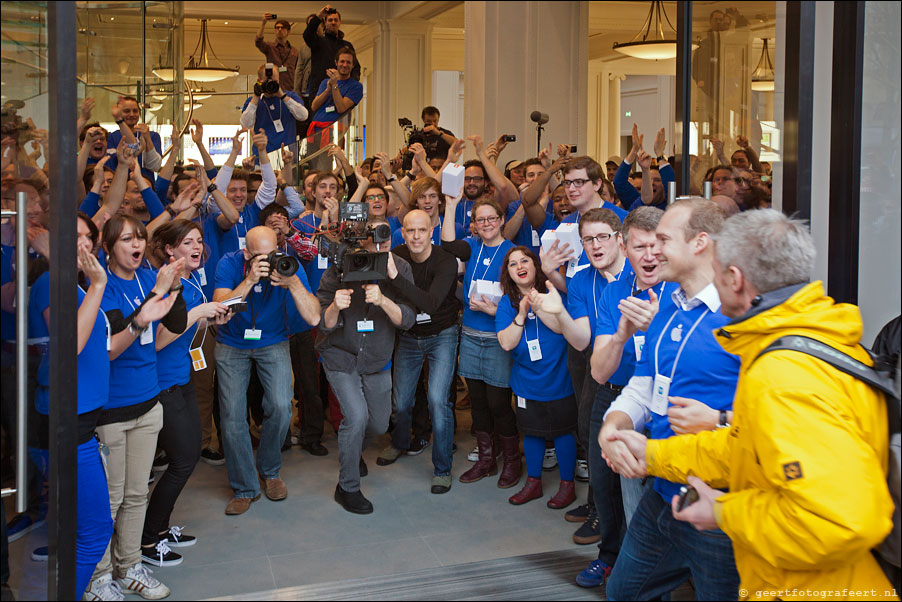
805	459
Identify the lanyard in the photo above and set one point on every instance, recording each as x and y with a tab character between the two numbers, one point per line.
196	285
594	277
486	270
243	222
250	298
682	345
102	313
266	106
140	288
534	317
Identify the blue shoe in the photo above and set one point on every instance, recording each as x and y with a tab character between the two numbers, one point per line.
21	525
593	575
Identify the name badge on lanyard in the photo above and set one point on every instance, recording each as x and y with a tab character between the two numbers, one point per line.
202	274
322	263
277	124
639	343
424	318
147	335
252	334
659	395
365	326
198	361
535	238
242	243
535	350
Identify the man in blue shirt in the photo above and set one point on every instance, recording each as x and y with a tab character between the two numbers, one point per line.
126	114
336	95
259	335
682	376
276	113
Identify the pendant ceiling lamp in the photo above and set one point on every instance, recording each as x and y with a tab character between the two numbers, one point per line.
763	76
198	67
650	43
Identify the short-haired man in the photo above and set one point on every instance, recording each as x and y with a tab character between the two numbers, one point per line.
355	342
257	335
325	192
127	114
433	340
477	174
437	140
280	53
426	195
518	226
337	94
276	113
655	178
323	47
807	503
682	371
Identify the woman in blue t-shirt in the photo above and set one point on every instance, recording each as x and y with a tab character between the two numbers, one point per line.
131	419
546	407
483	363
180	436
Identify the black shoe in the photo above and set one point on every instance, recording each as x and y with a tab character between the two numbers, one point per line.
590	531
161	462
212	457
578	514
417	446
315	449
363	469
353	501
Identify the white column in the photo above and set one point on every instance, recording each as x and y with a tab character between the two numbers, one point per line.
400	81
522	57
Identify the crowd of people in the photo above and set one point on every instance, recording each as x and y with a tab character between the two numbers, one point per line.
599	328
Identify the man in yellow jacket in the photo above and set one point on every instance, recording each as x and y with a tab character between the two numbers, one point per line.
805	459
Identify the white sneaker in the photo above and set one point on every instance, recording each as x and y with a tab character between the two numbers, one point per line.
550	460
473	455
582	471
140	580
103	588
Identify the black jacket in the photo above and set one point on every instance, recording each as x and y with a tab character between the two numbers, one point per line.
322	54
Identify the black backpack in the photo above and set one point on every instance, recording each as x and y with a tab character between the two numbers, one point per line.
883	377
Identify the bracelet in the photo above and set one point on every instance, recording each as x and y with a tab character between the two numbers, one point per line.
171	211
134	330
119	121
520	325
212	187
177	288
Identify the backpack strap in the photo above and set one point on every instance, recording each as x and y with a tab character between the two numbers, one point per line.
835	358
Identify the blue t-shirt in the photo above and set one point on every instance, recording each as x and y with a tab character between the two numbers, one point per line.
265	312
394	223
584	294
527	236
546	379
173	360
308	225
575	217
293	319
397	237
113	140
7	275
133	375
270	110
37	326
348	88
462	214
704	372
485	263
93	361
229	240
609	320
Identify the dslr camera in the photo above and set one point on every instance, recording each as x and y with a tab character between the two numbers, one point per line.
269	85
412	135
341	244
282	264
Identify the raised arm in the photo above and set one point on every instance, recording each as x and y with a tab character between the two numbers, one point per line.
505	187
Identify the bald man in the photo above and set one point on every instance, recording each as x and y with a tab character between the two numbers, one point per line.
257	333
433	339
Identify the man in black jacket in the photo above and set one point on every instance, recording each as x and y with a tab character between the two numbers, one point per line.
324	48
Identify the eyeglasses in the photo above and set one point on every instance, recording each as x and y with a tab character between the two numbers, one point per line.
599	238
486	220
743	181
476	179
579	183
375	197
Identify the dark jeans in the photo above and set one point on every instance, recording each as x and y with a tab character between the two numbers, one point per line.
491	409
306	386
605	484
180	438
659	553
584	387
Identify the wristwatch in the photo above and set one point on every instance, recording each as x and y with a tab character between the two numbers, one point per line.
212	187
393	178
283	96
118	121
722	420
661	158
281	187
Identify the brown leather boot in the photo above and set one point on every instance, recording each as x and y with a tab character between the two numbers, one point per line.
486	465
531	491
564	497
510	472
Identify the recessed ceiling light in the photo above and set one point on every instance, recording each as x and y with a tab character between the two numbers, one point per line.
112	18
226	23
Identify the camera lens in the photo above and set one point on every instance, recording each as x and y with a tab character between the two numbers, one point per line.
286	266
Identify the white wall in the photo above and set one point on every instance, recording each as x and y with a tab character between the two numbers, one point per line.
649	101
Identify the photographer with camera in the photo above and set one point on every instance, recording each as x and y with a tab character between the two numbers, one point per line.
323	47
355	342
436	140
264	281
280	53
273	110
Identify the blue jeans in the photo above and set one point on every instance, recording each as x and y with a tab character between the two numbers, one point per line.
233	368
659	553
605	483
365	401
410	355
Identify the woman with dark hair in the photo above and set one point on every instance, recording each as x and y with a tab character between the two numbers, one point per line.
483	363
180	436
132	416
546	406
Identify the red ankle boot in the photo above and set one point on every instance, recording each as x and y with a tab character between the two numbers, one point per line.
564	497
531	491
513	467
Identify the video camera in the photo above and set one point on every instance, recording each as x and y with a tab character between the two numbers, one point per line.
412	135
269	85
341	244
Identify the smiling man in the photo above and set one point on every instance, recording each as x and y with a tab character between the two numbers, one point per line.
127	114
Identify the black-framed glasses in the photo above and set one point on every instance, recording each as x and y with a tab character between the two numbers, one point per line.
475	179
599	238
578	182
487	220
